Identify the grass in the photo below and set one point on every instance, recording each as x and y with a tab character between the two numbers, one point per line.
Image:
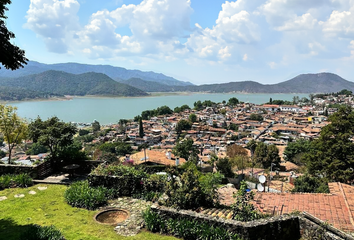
48	207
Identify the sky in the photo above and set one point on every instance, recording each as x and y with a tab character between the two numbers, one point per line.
201	41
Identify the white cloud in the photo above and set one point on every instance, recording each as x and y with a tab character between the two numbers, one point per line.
54	20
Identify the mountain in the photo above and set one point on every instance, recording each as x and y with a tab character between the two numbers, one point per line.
304	83
148	86
19	94
63	83
115	73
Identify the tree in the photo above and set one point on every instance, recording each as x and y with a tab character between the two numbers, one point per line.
224	167
256	117
260	153
270	100
183	124
185	149
192	118
12	127
141	128
96	126
332	154
251	145
36	148
235	150
294	149
52	133
11	56
83	132
233	101
309	184
272	156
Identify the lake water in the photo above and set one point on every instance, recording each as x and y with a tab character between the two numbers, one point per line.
110	110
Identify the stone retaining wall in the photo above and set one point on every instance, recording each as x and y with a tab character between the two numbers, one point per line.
289	227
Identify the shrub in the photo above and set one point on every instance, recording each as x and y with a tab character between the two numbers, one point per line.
23	180
224	167
184	228
186	191
36	232
118	170
5	181
155	183
81	195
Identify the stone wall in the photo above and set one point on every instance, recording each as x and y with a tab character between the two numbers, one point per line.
17	169
281	227
289	227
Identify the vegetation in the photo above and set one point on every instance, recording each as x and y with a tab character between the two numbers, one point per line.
193	118
12	127
50	208
19	180
186	191
163	110
184	228
256	117
266	155
233	101
224	166
201	105
118	148
52	133
309	184
36	148
18	94
332	154
62	83
185	149
181	108
11	56
96	126
141	128
37	232
243	209
294	150
183	125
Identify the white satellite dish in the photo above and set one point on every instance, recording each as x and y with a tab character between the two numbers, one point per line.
260	188
262	179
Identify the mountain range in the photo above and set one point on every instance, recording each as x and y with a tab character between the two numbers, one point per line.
304	83
47	80
116	73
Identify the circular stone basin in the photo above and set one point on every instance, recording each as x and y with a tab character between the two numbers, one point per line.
112	216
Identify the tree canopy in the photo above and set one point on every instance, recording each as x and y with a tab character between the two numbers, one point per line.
12	127
11	56
332	154
185	149
183	124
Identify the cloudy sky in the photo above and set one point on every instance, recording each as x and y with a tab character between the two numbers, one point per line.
202	41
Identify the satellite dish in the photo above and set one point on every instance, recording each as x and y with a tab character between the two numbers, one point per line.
260	188
262	179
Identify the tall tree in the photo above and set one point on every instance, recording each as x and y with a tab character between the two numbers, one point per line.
233	101
141	128
96	126
53	133
192	118
332	154
12	127
185	149
11	56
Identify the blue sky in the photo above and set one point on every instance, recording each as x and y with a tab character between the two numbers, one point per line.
207	41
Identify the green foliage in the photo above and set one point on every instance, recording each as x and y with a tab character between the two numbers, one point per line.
186	191
309	184
154	182
201	105
296	148
266	155
233	127
11	57
118	170
185	148
19	180
36	148
224	167
183	124
280	102
332	155
210	182
256	117
2	154
52	133
37	232
108	147
118	148
185	228
81	195
23	180
96	126
163	110
181	108
72	152
8	93
83	132
233	101
243	209
193	118
5	181
141	128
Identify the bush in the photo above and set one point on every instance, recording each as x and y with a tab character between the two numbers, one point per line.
5	181
184	228
224	167
118	170
81	195
36	232
23	180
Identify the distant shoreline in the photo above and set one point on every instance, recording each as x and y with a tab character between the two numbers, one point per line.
151	94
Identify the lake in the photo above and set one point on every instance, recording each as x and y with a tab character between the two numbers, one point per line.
110	110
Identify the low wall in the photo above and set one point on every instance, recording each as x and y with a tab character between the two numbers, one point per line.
281	227
289	227
39	171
